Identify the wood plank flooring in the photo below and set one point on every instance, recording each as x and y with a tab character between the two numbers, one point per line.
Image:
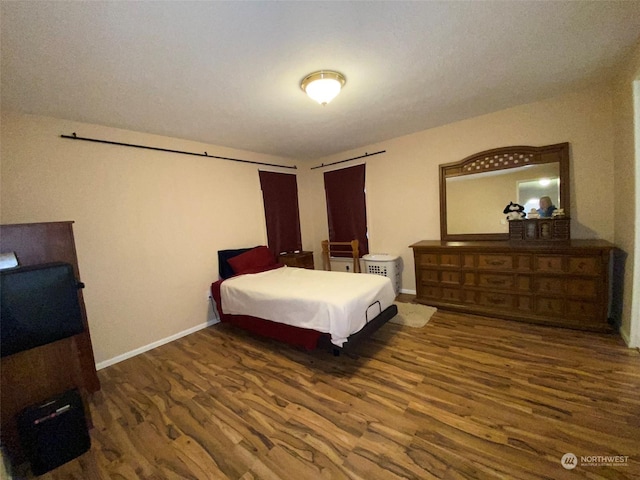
464	397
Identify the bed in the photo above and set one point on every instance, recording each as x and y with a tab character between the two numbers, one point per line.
304	308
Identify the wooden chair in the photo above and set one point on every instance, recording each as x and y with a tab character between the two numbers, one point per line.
327	249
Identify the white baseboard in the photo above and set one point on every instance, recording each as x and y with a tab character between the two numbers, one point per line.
151	346
158	343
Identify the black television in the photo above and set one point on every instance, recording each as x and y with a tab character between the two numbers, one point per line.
38	305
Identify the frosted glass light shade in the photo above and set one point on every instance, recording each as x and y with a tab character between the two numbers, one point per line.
323	86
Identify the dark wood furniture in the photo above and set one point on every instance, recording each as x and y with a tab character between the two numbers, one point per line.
40	373
302	259
519	159
564	284
540	229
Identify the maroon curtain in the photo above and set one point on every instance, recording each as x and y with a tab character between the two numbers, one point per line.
280	196
346	206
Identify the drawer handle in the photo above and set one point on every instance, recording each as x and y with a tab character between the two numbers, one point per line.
496	281
495	300
495	263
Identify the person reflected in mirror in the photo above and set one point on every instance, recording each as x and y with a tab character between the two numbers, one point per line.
546	207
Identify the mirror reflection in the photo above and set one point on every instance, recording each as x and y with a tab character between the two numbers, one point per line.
475	203
540	197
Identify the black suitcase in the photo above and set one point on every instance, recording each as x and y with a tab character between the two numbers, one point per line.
54	432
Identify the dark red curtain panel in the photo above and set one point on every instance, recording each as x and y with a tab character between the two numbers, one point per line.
346	206
280	196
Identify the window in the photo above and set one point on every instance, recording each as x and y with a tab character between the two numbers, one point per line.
280	196
346	206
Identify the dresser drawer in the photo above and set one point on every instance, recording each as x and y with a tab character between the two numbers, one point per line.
451	295
523	262
585	265
498	262
496	280
579	287
550	284
447	276
428	276
445	294
449	260
438	259
525	303
549	306
551	263
434	276
495	300
427	259
430	291
469	261
582	310
306	262
504	301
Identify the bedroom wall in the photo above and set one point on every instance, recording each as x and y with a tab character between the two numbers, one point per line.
147	224
627	201
403	184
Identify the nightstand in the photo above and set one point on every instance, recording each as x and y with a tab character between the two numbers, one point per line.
300	259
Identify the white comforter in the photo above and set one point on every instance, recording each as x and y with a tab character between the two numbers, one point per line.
337	303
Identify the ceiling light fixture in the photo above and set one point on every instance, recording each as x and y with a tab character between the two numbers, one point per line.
323	86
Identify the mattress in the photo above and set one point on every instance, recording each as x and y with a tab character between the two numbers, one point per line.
337	303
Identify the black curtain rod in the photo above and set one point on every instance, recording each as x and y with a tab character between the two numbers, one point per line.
348	159
73	136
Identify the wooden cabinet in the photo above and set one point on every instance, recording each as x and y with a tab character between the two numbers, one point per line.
35	375
564	284
540	229
302	259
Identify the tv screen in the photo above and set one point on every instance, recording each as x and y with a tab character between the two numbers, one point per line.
39	305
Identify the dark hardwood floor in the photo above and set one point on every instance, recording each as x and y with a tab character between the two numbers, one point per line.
464	397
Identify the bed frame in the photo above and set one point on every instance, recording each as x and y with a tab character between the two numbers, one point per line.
296	336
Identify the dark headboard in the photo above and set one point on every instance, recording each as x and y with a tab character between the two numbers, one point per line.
224	269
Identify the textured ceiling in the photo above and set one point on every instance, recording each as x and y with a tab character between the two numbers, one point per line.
228	73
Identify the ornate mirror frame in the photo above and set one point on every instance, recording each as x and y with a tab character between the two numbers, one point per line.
503	159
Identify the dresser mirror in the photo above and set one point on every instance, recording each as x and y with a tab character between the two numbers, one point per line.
474	191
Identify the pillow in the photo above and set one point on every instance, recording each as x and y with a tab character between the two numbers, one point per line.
224	269
258	257
261	269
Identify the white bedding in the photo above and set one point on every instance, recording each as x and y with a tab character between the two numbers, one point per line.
337	303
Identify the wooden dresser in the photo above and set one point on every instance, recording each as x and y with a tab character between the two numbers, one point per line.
302	259
563	284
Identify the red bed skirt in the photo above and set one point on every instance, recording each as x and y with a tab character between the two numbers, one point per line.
300	337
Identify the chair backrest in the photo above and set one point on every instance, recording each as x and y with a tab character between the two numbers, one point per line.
326	253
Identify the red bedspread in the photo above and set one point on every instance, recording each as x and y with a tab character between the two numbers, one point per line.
300	337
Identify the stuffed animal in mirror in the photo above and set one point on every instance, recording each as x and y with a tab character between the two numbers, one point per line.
514	211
